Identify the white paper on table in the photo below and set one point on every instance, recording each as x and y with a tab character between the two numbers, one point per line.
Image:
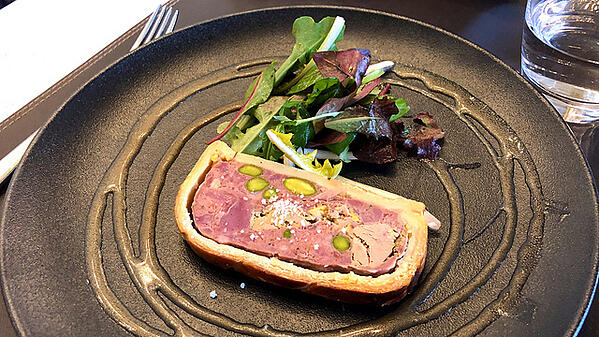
43	41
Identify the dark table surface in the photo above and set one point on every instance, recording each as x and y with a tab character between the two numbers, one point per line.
495	25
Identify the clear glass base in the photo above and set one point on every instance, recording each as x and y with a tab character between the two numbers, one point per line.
575	104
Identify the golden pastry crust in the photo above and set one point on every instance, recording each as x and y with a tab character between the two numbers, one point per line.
345	287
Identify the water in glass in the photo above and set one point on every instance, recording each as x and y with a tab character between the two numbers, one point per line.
560	55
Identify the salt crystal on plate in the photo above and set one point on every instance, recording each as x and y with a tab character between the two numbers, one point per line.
213	294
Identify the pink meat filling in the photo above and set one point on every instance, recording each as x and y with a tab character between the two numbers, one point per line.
295	228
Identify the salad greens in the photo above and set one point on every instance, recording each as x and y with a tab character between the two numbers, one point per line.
334	35
308	161
250	138
321	97
309	38
348	66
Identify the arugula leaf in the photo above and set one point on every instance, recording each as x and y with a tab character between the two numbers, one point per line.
309	36
302	133
263	88
240	141
323	90
331	105
290	108
349	124
293	117
269	151
339	103
254	145
334	35
264	112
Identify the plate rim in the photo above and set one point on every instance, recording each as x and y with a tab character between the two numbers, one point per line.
580	318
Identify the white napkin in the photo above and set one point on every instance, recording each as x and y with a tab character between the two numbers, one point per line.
42	41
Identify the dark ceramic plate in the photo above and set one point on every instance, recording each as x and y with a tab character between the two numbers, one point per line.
90	245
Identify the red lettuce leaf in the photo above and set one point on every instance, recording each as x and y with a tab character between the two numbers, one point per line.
368	87
331	105
338	104
327	137
372	150
426	119
384	106
379	150
348	66
423	136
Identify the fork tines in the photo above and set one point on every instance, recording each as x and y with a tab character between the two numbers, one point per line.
157	25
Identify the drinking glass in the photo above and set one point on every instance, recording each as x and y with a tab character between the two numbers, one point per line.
560	55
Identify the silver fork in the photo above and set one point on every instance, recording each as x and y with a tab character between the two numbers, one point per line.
157	25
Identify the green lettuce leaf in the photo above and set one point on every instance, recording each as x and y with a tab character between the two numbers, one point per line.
402	109
361	120
309	35
311	77
249	141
